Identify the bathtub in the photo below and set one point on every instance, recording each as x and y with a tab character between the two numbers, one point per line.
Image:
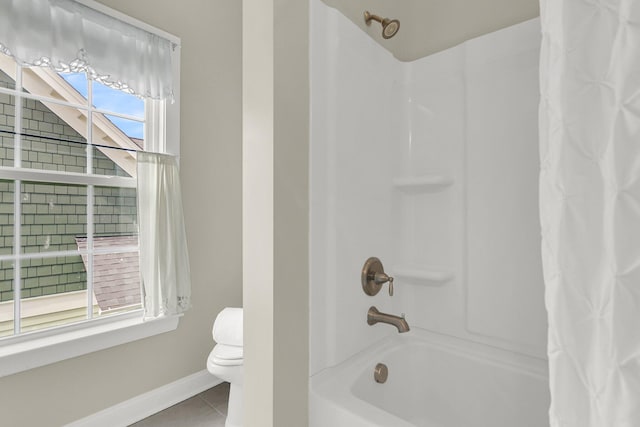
433	381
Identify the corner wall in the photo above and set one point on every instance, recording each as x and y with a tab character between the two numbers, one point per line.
357	120
275	215
211	180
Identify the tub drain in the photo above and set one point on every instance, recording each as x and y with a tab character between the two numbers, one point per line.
380	373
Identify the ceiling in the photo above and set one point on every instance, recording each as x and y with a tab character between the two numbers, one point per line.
429	26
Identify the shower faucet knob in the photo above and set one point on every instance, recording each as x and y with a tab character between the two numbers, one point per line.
373	277
382	278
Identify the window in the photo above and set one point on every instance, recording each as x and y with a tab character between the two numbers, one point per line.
69	137
66	138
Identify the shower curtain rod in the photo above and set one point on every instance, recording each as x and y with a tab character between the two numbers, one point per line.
51	138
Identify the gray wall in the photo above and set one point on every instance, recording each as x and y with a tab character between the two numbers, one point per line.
211	179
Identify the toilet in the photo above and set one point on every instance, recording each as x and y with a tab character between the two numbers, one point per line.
226	360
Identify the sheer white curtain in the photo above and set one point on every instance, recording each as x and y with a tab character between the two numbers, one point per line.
68	36
590	209
164	261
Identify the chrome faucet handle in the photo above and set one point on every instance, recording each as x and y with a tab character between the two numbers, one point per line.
390	286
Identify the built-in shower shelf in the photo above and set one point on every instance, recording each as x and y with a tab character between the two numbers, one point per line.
422	276
422	183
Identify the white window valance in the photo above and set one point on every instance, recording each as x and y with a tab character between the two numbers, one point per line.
68	36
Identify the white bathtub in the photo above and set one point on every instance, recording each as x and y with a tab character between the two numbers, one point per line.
434	381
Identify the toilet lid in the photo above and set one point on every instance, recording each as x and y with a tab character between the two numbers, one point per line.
228	354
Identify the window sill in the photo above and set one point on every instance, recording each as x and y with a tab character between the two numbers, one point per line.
28	352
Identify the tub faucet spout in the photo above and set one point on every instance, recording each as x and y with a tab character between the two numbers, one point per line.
374	316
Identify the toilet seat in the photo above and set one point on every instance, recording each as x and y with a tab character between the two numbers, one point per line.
227	355
232	371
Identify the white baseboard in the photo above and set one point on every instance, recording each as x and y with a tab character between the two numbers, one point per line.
140	407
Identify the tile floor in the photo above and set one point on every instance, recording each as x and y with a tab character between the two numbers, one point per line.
208	408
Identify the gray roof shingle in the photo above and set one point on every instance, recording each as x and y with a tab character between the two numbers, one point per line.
116	276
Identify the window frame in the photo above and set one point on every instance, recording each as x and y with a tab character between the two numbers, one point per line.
33	349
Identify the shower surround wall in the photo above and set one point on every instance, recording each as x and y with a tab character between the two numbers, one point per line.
431	166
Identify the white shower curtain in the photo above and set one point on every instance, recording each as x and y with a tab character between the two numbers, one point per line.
164	261
590	209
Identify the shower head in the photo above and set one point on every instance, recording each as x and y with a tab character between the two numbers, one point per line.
389	26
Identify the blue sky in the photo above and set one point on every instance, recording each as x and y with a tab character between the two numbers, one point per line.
112	100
